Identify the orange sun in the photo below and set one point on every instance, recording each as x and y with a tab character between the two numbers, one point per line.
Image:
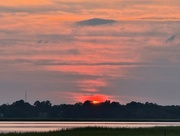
95	102
94	99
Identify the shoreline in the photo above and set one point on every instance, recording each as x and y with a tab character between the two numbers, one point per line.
96	131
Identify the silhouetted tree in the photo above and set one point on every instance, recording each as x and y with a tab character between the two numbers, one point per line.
88	110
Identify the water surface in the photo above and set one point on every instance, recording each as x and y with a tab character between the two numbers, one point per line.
6	127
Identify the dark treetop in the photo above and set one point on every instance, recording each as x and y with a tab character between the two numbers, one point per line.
88	110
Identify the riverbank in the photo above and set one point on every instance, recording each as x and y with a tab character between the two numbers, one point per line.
98	131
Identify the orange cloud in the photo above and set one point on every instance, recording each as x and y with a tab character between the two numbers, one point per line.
92	86
24	2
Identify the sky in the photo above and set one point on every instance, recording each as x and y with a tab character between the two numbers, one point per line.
69	51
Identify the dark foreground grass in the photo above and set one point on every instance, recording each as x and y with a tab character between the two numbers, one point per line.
98	131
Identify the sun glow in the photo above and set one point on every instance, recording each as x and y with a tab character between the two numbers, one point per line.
95	102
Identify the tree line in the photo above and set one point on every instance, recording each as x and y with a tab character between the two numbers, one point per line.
89	110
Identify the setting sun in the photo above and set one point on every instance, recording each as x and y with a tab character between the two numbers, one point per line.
95	99
95	102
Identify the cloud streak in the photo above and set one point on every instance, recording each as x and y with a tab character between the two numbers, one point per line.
58	63
171	39
95	22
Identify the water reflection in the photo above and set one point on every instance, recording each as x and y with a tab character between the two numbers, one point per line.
6	127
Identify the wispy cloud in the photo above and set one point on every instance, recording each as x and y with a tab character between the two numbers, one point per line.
170	39
95	22
46	62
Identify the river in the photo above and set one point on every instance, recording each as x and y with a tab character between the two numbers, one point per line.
20	126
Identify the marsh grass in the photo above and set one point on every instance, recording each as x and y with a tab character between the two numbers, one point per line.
99	131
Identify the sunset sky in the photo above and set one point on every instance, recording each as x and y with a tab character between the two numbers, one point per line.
69	51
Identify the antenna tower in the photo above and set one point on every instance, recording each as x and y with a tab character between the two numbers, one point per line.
25	96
